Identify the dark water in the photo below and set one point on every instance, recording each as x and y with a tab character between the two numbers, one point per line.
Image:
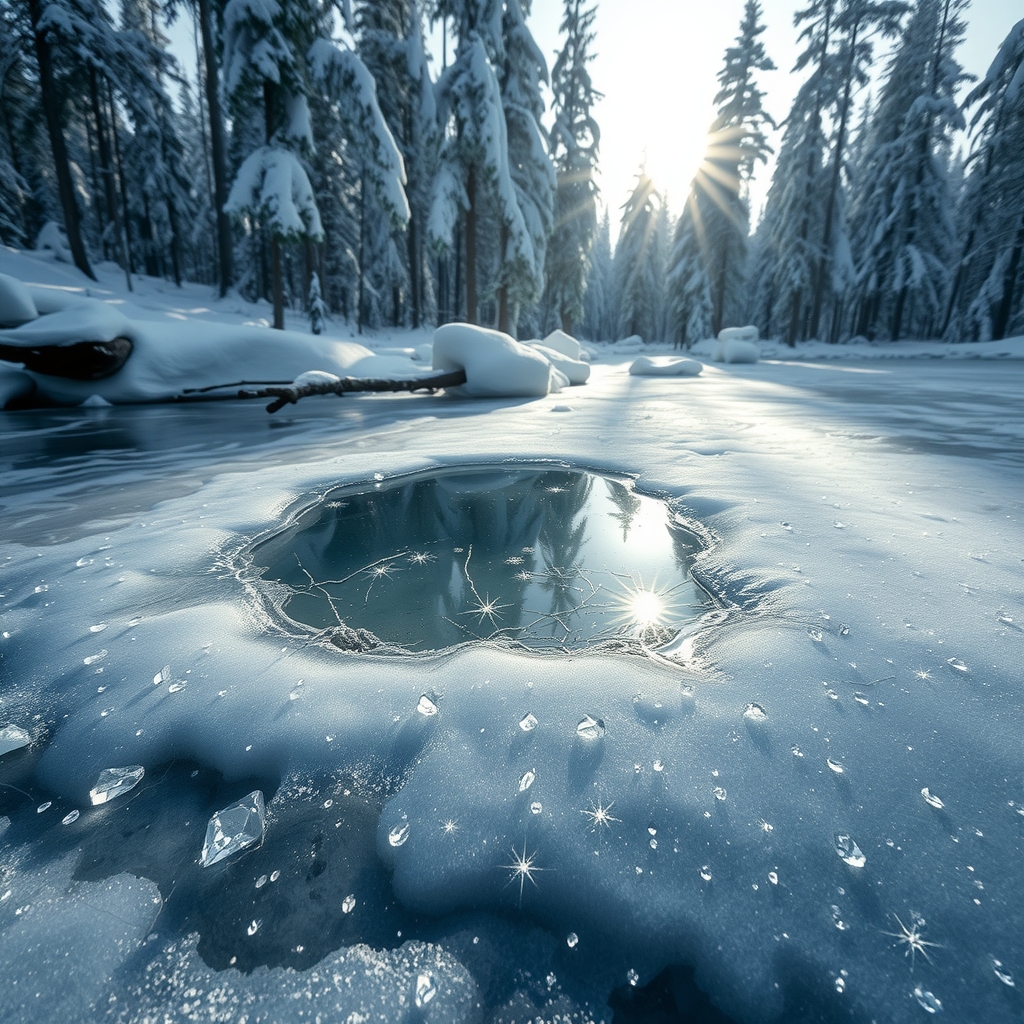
545	558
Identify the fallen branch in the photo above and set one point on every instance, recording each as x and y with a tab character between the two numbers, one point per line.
289	393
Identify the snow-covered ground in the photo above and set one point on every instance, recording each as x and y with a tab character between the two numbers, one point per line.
824	817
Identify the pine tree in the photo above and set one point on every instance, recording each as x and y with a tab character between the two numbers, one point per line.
575	139
736	143
857	23
690	306
906	228
985	298
638	277
599	318
794	215
263	63
520	280
474	159
66	29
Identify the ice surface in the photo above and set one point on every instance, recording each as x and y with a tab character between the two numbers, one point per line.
13	737
549	559
233	829
920	460
114	782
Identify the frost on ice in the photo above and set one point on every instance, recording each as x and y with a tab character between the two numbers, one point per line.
234	829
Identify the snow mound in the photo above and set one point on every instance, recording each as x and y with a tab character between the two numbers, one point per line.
53	239
748	333
634	343
737	345
564	343
575	370
16	305
169	358
14	383
645	366
496	365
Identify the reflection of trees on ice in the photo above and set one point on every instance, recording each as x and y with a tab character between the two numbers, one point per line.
527	556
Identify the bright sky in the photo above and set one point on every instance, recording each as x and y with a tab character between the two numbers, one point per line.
657	62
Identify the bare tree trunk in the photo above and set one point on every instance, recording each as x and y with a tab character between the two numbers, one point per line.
107	173
62	165
503	311
471	216
120	175
1002	320
225	244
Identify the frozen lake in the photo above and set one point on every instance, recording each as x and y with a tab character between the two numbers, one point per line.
811	805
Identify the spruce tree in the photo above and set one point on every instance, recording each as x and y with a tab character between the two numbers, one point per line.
985	298
906	229
520	280
736	143
789	246
474	161
575	140
599	319
639	279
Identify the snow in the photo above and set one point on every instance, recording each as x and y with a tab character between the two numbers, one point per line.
575	370
16	305
495	364
564	343
645	366
861	522
273	183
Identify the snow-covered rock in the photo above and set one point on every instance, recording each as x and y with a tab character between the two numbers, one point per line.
564	343
575	370
646	366
16	305
495	364
737	345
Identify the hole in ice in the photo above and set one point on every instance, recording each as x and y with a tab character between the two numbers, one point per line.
549	559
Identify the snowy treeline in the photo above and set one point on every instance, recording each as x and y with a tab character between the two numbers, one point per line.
318	159
323	159
876	223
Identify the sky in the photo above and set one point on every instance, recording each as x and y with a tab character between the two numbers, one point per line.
656	63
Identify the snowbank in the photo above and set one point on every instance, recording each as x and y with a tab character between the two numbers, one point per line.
576	371
495	364
16	305
737	345
564	343
169	358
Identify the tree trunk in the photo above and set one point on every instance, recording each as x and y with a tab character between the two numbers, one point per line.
413	247
120	175
62	165
830	205
107	174
1002	320
225	244
503	311
277	281
471	215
